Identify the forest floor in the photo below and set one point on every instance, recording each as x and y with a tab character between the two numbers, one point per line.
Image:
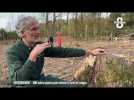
63	67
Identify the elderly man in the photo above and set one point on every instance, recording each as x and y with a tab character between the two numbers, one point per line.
25	58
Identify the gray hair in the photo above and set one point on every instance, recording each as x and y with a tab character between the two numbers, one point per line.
24	24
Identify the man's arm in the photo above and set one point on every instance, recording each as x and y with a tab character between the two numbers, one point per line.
17	70
23	71
63	52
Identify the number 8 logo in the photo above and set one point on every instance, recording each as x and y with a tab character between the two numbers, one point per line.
119	22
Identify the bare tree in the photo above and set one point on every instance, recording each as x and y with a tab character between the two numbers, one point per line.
76	22
67	17
42	25
82	24
67	22
56	26
54	21
11	23
47	23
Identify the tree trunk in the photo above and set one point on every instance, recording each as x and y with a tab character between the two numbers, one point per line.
46	24
54	22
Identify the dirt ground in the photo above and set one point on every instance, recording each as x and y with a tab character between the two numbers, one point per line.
62	67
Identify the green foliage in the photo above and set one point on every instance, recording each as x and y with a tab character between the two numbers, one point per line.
4	35
12	35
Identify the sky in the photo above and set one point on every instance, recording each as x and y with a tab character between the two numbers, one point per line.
5	19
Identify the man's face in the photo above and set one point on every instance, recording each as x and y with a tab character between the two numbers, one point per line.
32	34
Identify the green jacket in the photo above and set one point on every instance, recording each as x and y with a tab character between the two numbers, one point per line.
21	68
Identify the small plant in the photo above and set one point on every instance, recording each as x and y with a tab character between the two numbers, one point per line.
114	74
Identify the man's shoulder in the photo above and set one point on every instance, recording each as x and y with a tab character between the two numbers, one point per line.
14	47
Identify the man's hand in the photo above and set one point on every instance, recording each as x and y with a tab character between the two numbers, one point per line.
37	50
96	51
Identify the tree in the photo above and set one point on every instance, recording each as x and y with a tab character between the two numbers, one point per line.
113	17
129	19
3	34
47	23
67	22
75	24
54	21
42	26
11	23
67	18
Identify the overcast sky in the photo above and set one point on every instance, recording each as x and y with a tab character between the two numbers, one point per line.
5	18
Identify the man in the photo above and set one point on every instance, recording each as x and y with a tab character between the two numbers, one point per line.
25	59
